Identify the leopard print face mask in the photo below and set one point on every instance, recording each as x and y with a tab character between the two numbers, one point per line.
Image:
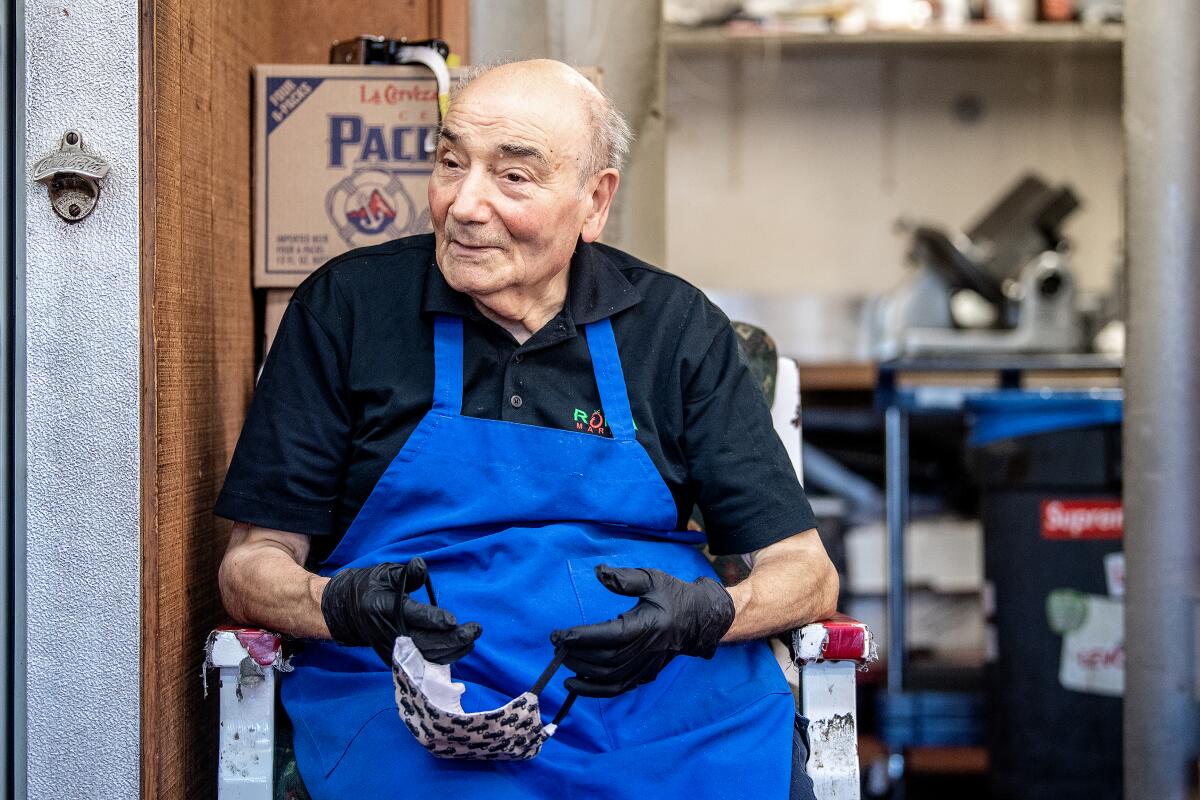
430	705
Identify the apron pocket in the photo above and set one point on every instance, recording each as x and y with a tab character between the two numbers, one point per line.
596	603
690	693
333	708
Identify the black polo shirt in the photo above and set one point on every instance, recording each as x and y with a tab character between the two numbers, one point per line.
351	374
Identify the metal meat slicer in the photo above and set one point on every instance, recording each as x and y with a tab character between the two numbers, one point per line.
1005	286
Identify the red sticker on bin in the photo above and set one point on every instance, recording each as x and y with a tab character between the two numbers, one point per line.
1082	519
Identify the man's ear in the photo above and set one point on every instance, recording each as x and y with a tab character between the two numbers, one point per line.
600	200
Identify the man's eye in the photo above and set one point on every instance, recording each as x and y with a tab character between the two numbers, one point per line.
449	162
514	177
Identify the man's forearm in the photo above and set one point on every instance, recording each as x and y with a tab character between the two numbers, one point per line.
791	583
263	583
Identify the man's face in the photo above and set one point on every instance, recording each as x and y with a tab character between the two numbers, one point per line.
505	194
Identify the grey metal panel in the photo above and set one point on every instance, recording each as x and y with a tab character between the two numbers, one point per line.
7	200
1162	437
81	411
896	447
19	717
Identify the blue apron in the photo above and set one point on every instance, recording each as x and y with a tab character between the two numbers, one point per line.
512	519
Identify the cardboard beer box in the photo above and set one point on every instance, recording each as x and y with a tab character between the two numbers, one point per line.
342	160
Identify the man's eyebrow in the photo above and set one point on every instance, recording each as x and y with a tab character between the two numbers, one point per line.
447	134
523	151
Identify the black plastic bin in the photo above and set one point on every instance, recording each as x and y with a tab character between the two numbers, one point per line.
1032	449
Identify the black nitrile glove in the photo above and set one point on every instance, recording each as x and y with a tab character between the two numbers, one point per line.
360	608
672	617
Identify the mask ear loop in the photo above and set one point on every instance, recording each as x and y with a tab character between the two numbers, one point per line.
401	625
429	588
560	653
398	608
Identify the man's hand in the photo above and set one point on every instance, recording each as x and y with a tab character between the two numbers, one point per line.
371	606
671	618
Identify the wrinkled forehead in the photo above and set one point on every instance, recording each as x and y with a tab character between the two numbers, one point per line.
495	114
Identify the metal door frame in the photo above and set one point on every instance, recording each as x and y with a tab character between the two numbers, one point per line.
12	456
73	393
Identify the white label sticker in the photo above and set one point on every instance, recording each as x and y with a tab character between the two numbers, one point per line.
1114	574
1093	655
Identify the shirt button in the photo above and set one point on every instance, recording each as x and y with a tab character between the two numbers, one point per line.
517	358
516	401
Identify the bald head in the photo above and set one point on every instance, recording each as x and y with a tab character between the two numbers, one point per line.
546	86
539	72
521	175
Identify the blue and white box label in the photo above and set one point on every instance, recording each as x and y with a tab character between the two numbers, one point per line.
342	160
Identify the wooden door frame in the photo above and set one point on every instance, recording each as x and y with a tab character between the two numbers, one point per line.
197	320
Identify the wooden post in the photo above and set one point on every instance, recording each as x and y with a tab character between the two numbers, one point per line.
198	323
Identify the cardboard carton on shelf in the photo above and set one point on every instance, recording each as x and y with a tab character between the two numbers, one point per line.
944	554
944	580
951	628
342	158
341	161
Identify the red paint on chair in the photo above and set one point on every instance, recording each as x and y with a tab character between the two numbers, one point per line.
845	639
263	646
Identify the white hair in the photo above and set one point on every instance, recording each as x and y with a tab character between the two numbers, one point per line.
612	135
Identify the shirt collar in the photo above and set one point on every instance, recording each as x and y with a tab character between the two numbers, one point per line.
596	289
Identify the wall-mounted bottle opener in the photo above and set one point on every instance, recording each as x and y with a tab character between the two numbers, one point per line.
73	178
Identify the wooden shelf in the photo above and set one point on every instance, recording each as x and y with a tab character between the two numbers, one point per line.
929	760
946	760
837	376
1106	37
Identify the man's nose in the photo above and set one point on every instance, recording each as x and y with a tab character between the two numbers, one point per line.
472	202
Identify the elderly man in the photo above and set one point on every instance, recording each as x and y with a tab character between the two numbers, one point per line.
524	419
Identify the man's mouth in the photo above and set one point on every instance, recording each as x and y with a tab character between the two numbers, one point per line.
468	239
472	246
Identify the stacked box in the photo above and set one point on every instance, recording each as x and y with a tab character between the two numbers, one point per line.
342	160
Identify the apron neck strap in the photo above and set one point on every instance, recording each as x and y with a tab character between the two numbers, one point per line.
606	363
448	363
610	380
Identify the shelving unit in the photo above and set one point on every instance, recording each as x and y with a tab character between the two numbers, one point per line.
1108	37
882	107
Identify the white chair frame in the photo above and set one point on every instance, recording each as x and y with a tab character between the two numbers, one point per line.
246	743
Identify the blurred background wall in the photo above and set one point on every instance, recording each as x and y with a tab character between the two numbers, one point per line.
621	37
786	168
